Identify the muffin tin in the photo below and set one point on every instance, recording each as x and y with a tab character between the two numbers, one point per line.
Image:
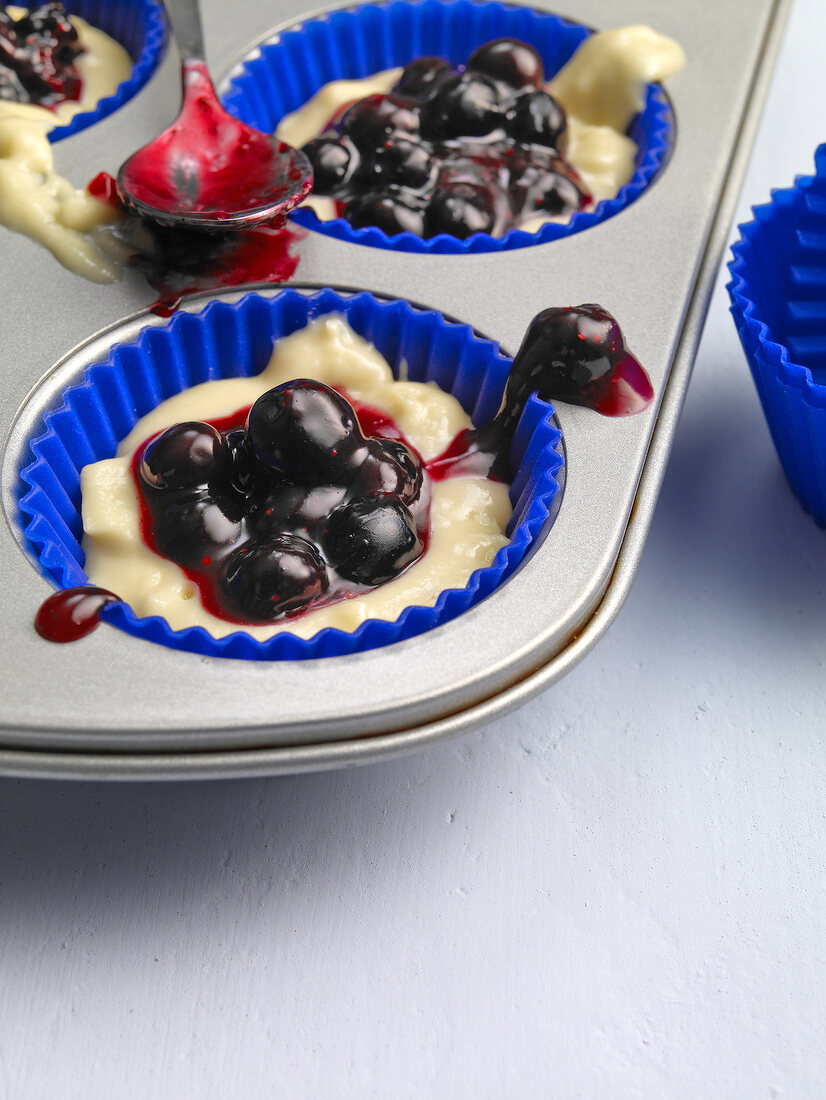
113	706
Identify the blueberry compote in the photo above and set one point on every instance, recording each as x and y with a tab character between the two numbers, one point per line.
37	57
479	149
294	509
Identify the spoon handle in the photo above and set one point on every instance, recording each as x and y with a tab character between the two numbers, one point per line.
185	18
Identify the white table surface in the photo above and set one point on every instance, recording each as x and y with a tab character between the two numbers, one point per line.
616	892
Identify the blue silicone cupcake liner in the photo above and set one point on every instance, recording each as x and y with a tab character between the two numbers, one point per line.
140	28
282	75
236	340
778	300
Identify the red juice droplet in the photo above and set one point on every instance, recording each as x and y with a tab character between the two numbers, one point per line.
73	613
626	391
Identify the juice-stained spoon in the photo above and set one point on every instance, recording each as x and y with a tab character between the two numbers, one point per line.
207	170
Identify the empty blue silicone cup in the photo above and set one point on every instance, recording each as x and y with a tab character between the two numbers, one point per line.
778	300
140	28
282	74
225	340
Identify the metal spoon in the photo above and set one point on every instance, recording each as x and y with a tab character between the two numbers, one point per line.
209	171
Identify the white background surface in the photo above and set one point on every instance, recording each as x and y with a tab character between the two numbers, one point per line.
616	892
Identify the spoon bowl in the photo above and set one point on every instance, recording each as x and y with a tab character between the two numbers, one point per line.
208	171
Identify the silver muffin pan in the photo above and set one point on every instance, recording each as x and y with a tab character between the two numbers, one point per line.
113	706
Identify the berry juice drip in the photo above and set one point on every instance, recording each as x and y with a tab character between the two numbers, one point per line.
574	354
475	150
37	57
176	262
298	509
73	613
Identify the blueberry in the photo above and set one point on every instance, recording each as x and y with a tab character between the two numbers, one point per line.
567	350
49	23
389	213
240	460
185	456
333	161
410	465
11	87
294	508
508	61
464	105
403	163
372	539
547	188
369	122
193	530
265	581
390	467
305	431
461	210
537	119
422	76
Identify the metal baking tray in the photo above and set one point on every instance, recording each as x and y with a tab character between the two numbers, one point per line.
115	707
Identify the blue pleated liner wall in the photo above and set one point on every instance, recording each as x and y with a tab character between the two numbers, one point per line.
236	340
347	44
778	300
140	28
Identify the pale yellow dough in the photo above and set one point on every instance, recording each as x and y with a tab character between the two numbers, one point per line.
34	199
468	515
601	88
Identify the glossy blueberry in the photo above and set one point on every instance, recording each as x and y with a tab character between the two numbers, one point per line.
461	210
193	530
299	509
240	460
372	539
270	580
565	351
390	213
48	23
304	431
411	467
403	163
464	105
537	119
508	61
421	76
185	456
548	187
11	87
390	467
369	122
332	160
